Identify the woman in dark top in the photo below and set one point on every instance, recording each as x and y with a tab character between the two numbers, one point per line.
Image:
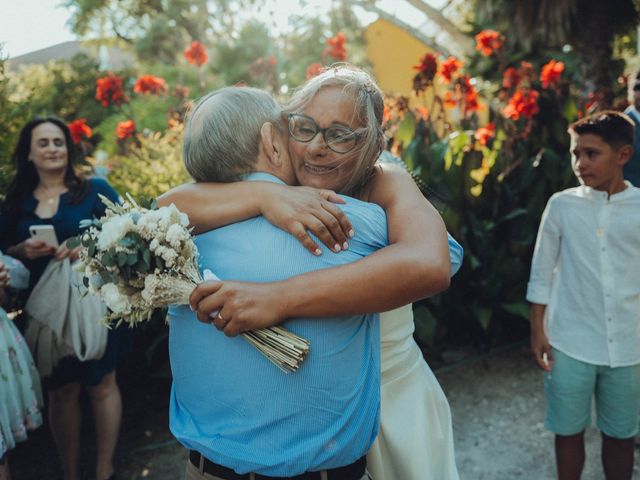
46	190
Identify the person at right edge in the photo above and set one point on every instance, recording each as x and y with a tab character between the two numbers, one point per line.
585	294
631	169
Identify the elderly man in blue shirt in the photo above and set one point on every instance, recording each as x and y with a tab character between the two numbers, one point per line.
239	411
240	416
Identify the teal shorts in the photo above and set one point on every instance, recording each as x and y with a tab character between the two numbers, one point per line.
572	384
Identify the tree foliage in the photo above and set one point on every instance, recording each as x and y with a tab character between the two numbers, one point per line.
156	29
13	115
589	27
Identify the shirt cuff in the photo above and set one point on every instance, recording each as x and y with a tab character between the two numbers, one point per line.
538	294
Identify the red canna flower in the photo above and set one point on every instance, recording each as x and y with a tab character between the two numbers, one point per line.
314	70
484	134
448	67
125	129
109	90
428	66
426	71
527	72
523	103
468	93
79	129
471	101
449	100
550	73
511	78
150	84
335	47
488	41
196	54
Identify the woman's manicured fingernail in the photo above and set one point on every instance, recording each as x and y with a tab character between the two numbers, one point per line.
351	233
336	248
317	251
345	245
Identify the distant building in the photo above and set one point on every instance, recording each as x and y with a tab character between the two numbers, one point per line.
393	52
110	58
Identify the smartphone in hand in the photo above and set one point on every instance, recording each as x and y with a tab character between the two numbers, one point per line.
46	233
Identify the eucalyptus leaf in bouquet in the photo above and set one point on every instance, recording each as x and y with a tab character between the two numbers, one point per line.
140	259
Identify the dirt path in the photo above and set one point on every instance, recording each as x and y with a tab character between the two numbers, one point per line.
498	409
498	413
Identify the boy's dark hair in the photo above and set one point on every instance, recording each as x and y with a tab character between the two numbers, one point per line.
615	128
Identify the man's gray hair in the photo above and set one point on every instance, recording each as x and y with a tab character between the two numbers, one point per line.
222	133
368	109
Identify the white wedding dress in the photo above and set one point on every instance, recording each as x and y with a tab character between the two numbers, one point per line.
415	440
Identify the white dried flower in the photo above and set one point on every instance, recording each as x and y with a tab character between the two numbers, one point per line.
167	254
116	301
149	224
176	234
113	230
150	284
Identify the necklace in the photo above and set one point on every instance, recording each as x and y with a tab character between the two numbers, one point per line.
48	197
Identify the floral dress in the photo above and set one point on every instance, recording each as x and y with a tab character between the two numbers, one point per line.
20	394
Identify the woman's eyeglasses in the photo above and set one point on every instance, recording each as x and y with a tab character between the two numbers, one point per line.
337	138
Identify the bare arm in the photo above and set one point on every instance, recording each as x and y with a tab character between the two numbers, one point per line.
539	342
415	265
293	209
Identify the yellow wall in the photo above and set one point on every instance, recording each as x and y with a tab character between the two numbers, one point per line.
393	53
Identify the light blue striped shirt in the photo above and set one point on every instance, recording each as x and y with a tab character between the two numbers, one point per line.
232	405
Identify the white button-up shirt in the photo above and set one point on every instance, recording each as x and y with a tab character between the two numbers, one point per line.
586	269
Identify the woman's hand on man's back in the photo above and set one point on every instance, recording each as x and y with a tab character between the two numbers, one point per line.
300	210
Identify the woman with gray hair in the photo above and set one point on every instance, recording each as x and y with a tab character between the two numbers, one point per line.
335	138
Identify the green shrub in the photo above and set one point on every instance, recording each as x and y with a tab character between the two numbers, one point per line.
151	164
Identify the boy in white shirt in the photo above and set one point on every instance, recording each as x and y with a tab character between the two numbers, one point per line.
585	294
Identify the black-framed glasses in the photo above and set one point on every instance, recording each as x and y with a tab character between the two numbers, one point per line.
336	137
